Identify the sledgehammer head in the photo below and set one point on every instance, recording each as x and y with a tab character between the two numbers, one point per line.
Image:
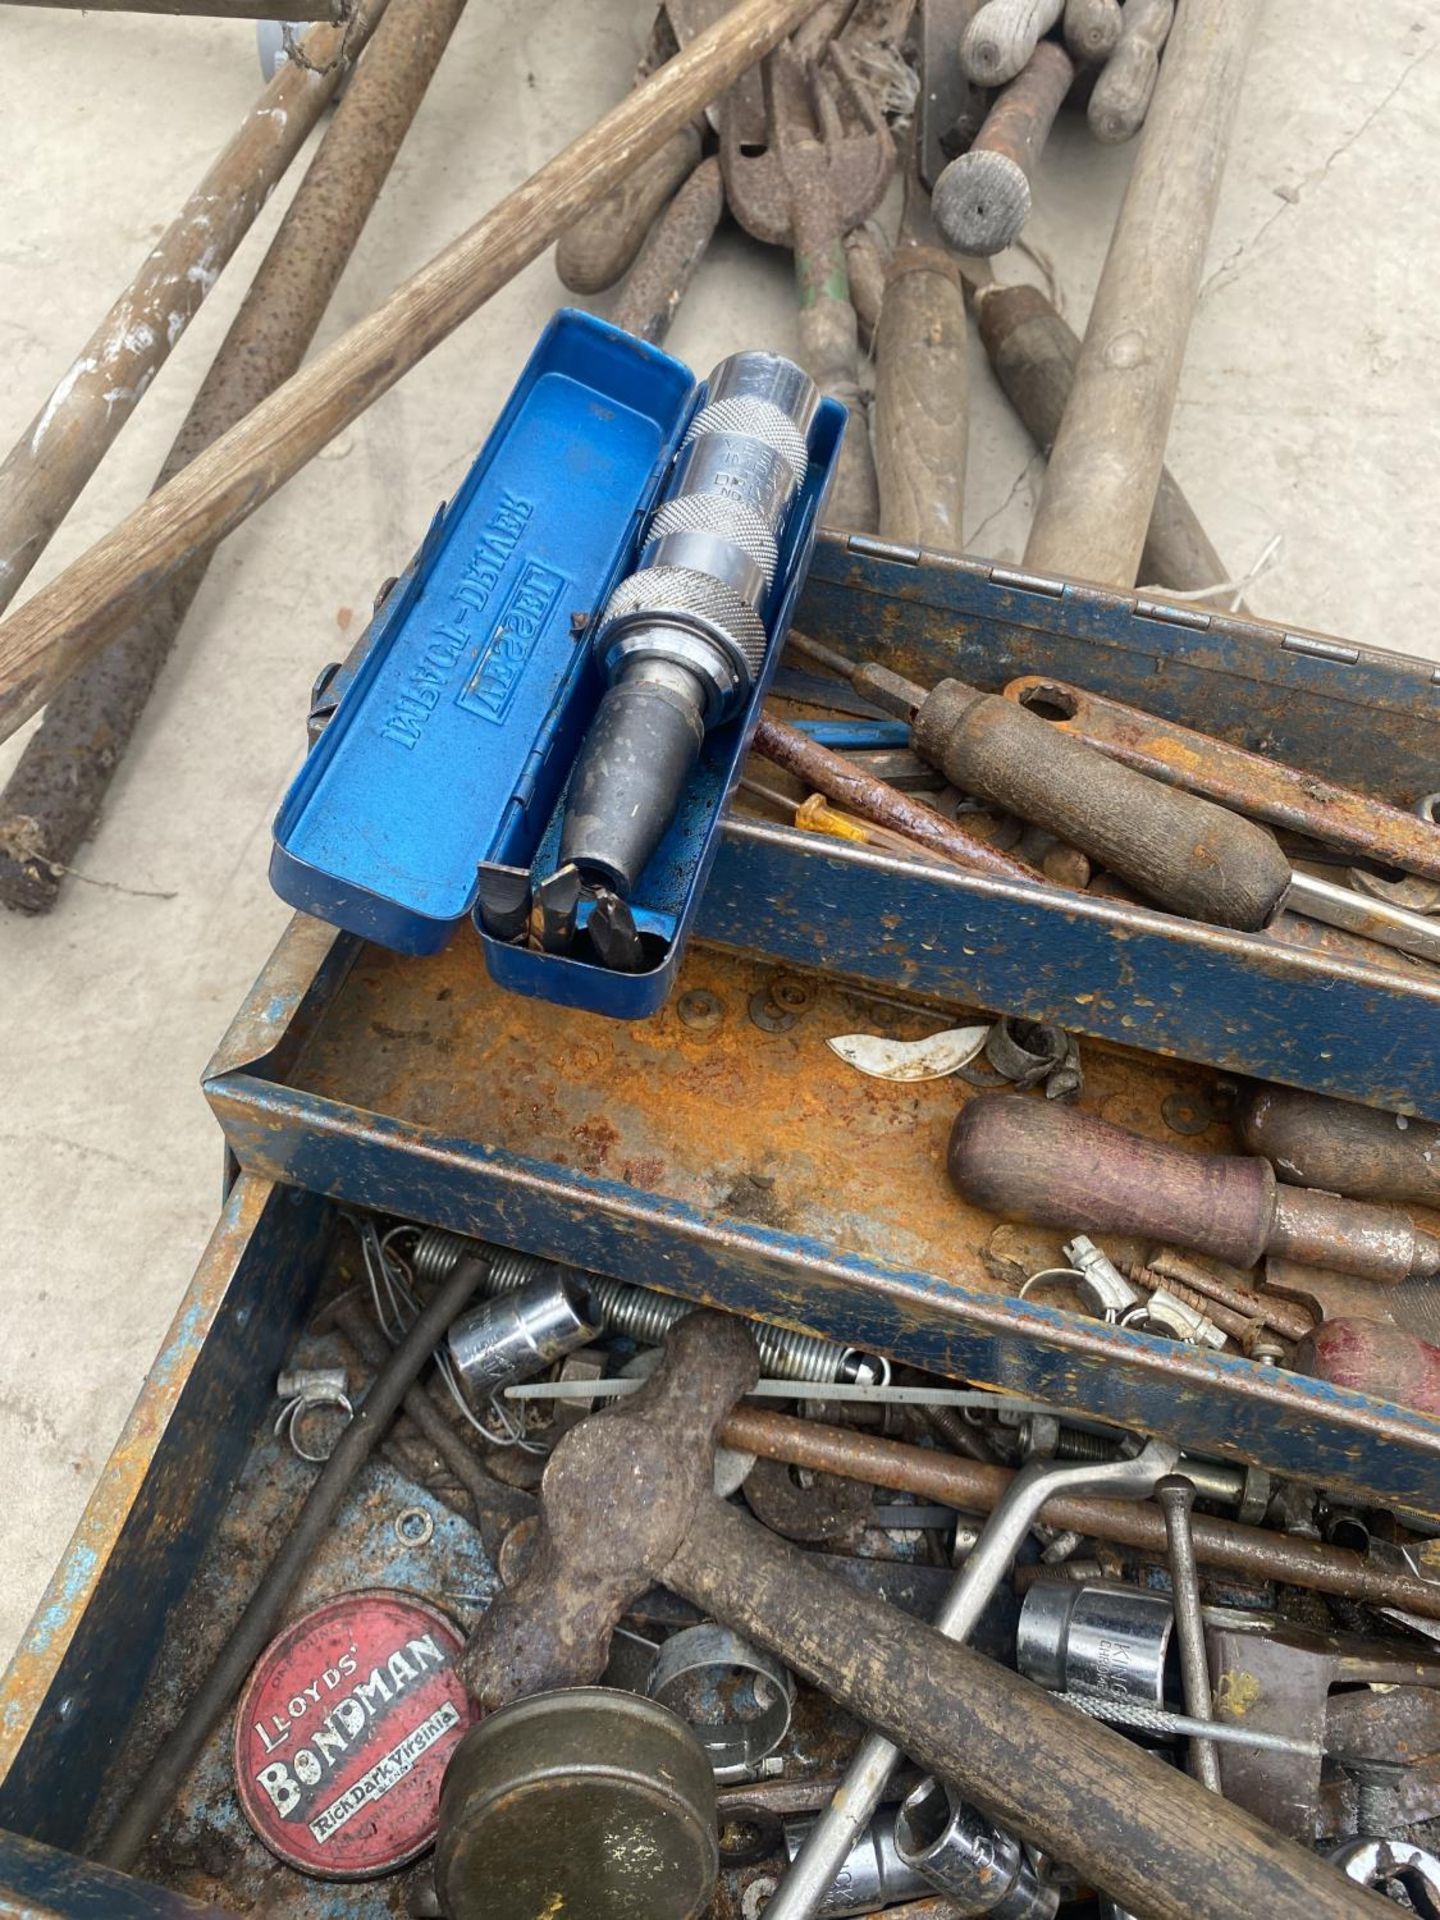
620	1494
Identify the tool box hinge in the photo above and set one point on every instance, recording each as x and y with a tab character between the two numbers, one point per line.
1320	649
871	548
1027	582
1171	616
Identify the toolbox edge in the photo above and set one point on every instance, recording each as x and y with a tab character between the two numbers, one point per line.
64	1702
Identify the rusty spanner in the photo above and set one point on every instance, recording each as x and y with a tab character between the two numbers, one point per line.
815	179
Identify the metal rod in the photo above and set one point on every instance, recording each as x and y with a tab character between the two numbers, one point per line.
162	1780
50	803
335	11
1176	1498
829	1390
874	800
1360	913
1148	1719
1099	488
974	1487
813	1870
69	620
47	468
358	1328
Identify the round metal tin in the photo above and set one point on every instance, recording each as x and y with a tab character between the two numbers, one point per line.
586	1802
344	1731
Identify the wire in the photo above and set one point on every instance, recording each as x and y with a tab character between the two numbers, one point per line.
1237	589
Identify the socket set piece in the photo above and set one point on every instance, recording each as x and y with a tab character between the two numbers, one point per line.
682	638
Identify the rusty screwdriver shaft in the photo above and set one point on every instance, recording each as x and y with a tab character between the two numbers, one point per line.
877	801
1176	1497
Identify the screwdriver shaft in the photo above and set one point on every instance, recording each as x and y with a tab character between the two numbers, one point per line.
1396	927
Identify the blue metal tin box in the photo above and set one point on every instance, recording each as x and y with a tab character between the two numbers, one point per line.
449	734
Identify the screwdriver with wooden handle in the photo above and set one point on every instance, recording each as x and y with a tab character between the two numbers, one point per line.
1315	1141
1052	1166
1184	853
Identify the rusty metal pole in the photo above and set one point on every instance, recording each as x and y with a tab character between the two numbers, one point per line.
46	470
974	1486
71	619
335	11
51	800
1104	468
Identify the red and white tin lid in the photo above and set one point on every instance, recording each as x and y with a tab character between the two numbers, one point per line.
343	1734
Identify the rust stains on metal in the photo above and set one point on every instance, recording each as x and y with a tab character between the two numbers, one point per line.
1269	790
832	774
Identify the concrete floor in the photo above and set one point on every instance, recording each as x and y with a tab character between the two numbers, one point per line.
1307	411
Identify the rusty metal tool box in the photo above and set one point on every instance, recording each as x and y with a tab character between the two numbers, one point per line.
743	1163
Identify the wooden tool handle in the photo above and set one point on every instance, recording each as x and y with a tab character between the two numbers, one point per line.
1373	1358
666	263
593	253
921	407
1343	1148
830	353
1151	1837
982	199
1188	855
1002	37
1092	30
1121	97
1052	1166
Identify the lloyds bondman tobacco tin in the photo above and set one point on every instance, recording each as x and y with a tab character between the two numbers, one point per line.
343	1734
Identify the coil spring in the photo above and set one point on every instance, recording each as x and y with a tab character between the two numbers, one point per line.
1076	1444
644	1315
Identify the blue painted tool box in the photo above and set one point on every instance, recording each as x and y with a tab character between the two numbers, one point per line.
744	1163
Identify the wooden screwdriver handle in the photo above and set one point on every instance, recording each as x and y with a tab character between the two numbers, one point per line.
982	199
1342	1147
1187	854
1032	1160
1373	1358
1049	1165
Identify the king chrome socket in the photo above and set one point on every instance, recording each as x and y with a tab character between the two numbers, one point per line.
872	1876
521	1333
682	639
1101	1638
